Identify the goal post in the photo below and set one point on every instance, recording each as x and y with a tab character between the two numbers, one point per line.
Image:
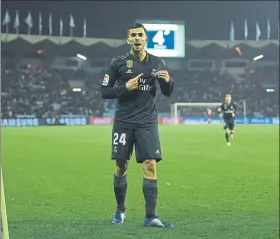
175	108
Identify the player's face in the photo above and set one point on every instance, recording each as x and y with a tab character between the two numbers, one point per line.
137	39
228	99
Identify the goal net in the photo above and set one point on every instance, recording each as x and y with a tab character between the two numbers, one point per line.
196	113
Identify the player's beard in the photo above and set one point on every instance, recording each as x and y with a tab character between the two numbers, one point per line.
137	48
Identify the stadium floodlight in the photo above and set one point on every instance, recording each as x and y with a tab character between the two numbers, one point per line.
77	89
270	90
82	57
176	114
258	57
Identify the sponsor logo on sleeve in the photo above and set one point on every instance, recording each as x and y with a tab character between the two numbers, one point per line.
106	80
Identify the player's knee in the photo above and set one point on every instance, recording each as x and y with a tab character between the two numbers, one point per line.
121	168
149	168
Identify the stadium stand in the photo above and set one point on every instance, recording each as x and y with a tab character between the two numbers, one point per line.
43	90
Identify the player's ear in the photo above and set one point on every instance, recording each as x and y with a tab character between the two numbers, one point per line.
127	37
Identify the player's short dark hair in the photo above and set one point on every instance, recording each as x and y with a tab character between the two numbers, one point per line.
135	26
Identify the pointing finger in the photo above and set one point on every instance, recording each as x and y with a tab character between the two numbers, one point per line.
139	76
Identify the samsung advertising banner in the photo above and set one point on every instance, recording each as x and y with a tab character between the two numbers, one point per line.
67	121
238	120
19	122
72	121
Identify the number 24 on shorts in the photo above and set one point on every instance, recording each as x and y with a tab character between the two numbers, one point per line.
119	139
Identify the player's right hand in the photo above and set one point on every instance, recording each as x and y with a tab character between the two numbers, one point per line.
132	84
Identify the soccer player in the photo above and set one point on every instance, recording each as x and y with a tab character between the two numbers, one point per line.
135	122
228	108
209	114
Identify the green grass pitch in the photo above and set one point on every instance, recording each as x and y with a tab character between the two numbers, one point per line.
58	184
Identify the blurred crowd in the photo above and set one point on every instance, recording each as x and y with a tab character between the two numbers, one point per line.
212	86
43	92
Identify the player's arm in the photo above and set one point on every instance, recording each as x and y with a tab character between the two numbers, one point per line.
165	82
108	91
220	109
235	108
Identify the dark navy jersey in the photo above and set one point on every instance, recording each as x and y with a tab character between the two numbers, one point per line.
228	109
136	108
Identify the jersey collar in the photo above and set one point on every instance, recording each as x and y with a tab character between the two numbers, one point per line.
146	59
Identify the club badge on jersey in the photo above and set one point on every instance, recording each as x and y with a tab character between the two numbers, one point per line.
105	80
129	63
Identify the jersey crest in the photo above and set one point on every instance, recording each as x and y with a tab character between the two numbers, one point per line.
129	63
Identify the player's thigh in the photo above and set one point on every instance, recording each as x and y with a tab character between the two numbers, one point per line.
122	142
226	125
231	126
147	144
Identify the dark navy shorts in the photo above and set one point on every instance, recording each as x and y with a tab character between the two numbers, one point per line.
229	124
145	140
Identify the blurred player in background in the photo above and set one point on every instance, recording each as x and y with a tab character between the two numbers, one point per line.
228	108
136	122
209	115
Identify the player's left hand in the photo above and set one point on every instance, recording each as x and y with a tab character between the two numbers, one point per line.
233	115
163	75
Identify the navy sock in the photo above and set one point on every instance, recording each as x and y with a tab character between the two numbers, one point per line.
120	187
150	191
227	137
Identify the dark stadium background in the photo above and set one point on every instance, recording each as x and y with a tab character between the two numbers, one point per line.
115	16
